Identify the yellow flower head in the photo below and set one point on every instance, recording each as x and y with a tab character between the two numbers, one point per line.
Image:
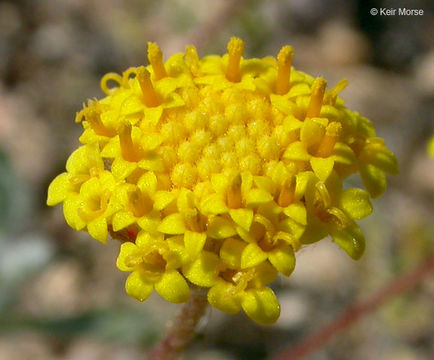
216	170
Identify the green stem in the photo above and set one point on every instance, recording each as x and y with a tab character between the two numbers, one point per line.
181	330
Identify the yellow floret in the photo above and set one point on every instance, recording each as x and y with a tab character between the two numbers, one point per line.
218	170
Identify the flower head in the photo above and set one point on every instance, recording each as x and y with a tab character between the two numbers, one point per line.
220	169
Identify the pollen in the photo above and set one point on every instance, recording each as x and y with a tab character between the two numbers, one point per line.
235	51
215	171
284	60
150	97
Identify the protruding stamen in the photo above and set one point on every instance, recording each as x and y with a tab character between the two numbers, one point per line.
128	149
234	196
335	90
192	59
235	51
323	194
93	117
284	61
155	57
150	97
333	131
318	89
340	219
286	196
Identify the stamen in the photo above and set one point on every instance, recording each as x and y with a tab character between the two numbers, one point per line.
234	196
235	51
155	57
128	149
284	60
286	196
94	119
150	97
341	219
335	90
333	131
323	194
318	89
191	58
242	278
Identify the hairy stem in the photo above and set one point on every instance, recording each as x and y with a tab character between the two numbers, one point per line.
317	340
181	330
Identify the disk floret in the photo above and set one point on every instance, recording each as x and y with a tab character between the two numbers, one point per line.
215	171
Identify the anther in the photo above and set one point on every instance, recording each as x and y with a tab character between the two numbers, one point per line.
150	97
286	195
333	131
126	142
284	61
235	51
155	57
316	99
234	196
191	58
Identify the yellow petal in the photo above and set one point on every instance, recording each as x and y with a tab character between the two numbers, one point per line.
162	199
297	152
355	202
220	228
265	274
204	270
148	183
223	296
70	207
121	168
283	259
373	179
122	219
252	255
153	115
256	197
313	233
242	217
213	205
322	167
58	189
127	249
230	252
150	221
297	212
97	228
351	240
304	181
261	306
194	243
313	131
173	287
137	288
151	141
380	157
172	224
219	182
343	154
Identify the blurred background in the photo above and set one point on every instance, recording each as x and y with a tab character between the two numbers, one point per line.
61	296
